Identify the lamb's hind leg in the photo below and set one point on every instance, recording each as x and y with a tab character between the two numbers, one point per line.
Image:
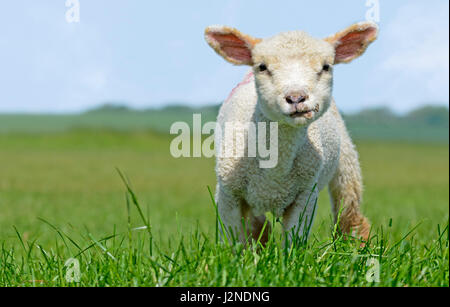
346	193
256	227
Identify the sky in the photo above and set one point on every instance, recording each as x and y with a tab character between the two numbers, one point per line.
152	53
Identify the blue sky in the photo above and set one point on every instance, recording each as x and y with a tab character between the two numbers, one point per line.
151	53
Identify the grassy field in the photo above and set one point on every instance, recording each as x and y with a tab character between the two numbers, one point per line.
61	197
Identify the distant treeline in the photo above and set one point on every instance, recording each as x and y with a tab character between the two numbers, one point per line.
428	123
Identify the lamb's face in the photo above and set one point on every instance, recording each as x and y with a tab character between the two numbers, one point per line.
294	76
293	71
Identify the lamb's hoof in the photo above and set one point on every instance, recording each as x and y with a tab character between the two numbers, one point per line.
359	231
362	232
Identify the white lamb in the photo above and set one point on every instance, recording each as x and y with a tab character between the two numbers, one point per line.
290	83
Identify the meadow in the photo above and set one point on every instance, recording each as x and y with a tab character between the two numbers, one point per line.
62	197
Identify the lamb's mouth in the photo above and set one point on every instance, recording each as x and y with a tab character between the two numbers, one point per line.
308	114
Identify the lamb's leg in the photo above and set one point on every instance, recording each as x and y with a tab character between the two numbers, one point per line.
345	190
238	219
254	225
298	217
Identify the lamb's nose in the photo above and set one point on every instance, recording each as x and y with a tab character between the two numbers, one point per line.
296	98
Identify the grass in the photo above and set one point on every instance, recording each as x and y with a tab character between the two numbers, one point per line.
62	198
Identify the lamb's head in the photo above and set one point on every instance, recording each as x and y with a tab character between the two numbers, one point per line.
293	71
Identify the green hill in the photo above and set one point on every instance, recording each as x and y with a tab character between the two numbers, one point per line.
428	123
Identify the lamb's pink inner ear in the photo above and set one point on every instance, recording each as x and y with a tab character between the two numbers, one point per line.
233	47
353	44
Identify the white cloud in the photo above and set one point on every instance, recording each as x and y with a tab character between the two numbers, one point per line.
95	80
417	59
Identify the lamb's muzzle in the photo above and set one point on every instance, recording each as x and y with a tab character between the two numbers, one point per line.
297	98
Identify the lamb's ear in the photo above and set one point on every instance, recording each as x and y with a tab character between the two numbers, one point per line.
231	44
353	41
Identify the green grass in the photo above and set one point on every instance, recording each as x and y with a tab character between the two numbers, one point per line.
61	197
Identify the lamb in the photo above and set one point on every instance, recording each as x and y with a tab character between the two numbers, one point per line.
290	82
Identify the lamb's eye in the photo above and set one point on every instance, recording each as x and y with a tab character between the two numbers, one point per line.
326	67
262	67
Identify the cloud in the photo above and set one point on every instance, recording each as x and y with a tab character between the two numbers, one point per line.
417	59
153	53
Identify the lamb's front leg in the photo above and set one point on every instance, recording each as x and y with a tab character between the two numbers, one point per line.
298	217
238	219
